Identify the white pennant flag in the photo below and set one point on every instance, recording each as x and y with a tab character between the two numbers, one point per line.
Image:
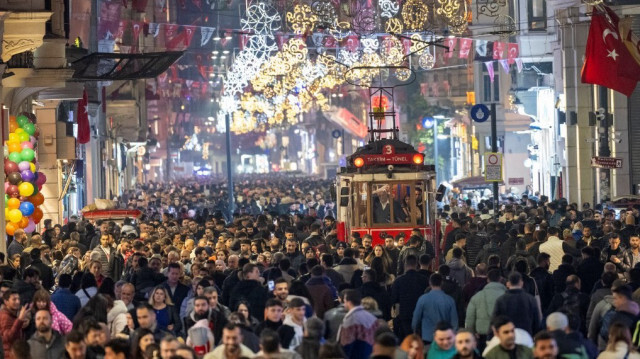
154	29
481	47
205	34
489	65
505	65
519	64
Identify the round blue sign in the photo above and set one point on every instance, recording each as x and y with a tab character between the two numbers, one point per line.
336	133
480	113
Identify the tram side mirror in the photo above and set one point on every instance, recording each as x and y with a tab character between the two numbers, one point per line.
441	192
344	197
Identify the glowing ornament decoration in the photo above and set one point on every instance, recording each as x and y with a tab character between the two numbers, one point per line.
415	14
388	8
325	13
394	26
426	61
302	19
448	8
261	19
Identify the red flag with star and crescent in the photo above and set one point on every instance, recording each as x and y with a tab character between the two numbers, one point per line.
84	131
604	54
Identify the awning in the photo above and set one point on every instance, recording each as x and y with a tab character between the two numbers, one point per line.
474	182
516	122
102	66
345	119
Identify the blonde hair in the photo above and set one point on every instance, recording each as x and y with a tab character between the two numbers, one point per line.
167	298
370	304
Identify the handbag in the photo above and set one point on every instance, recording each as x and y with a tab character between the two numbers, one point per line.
538	301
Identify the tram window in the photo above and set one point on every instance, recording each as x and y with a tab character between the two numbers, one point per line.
387	204
420	203
360	200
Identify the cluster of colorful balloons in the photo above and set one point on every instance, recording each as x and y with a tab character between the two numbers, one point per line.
23	181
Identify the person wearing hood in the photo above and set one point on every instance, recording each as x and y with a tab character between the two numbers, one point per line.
626	311
460	272
320	292
348	265
117	317
250	289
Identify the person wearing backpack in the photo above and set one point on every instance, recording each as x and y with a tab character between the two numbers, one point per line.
571	300
624	311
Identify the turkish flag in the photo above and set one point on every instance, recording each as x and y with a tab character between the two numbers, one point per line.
629	61
450	43
603	56
498	50
512	52
465	48
84	130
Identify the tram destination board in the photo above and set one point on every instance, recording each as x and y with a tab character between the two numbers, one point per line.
392	159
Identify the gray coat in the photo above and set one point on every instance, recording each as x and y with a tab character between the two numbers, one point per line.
480	308
43	350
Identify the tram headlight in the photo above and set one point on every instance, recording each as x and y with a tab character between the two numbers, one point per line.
358	162
418	158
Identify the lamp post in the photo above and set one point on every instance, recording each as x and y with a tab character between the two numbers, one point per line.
432	122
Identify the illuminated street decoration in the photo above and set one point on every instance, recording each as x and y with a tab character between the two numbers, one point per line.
389	8
284	70
415	14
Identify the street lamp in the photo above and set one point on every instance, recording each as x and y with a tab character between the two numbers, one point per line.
427	123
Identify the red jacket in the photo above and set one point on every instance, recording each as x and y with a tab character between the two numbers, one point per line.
10	329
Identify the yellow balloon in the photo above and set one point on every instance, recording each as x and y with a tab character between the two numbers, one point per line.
13	137
32	167
26	189
6	212
19	130
15	215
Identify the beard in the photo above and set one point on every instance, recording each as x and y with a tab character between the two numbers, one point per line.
200	316
42	328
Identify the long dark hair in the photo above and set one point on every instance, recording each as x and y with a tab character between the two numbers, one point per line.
136	353
298	288
96	308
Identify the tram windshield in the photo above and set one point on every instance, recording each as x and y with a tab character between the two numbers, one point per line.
388	203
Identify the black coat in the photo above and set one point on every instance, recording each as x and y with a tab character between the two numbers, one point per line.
253	293
521	308
178	296
560	276
589	272
377	292
116	267
46	273
144	279
228	285
406	290
544	281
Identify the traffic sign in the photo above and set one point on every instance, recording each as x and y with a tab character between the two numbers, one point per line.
493	167
606	162
336	134
480	113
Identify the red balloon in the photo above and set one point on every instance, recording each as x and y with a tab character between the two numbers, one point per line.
36	199
10	166
37	215
13	191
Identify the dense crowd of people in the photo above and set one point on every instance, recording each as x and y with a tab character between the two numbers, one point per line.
534	279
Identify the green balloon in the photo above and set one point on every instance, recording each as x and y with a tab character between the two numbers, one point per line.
29	128
27	154
15	157
21	120
6	199
23	136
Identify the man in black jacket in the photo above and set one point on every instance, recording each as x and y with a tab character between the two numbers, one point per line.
589	270
543	279
46	273
519	306
177	291
405	292
412	249
251	290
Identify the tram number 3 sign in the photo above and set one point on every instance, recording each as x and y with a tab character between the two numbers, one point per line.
493	167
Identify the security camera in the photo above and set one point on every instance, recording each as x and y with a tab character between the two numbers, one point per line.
390	168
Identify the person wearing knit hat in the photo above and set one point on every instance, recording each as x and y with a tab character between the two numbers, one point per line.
569	344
